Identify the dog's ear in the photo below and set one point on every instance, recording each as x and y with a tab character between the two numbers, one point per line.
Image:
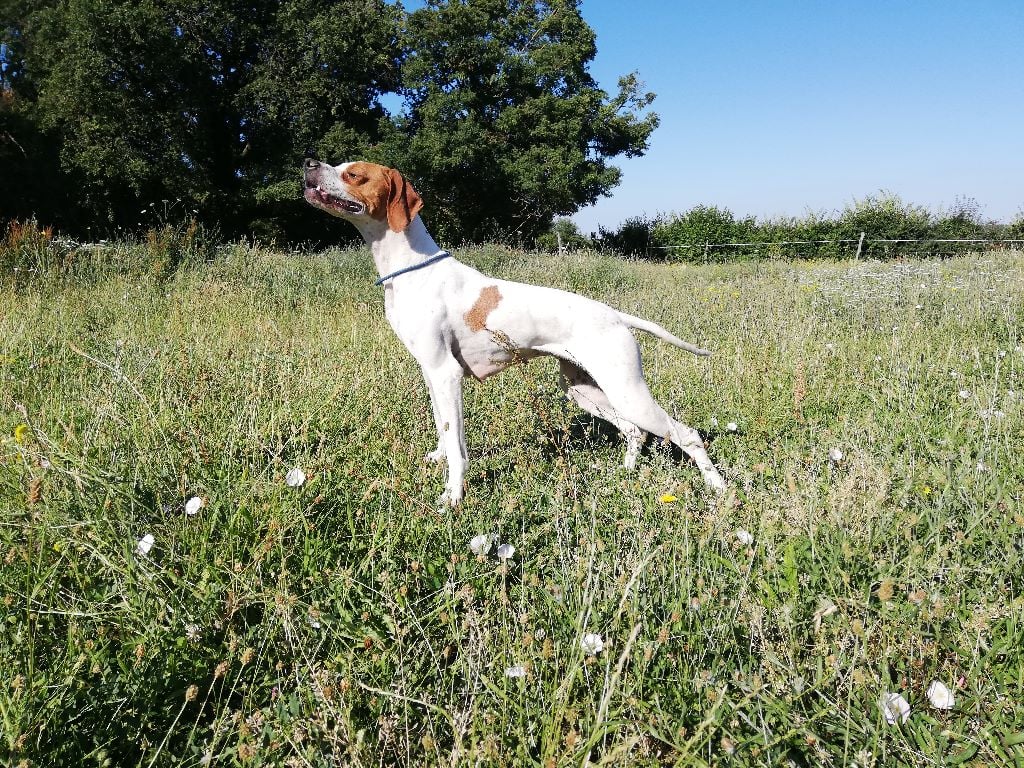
403	201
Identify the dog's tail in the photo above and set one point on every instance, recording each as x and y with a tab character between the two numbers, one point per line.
656	330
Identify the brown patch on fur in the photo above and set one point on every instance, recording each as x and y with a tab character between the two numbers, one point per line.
485	303
384	191
366	183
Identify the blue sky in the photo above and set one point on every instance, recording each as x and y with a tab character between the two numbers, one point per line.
776	108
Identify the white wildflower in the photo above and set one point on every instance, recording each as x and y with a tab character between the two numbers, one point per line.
732	426
505	551
193	505
835	455
965	394
517	670
895	708
592	643
745	537
481	544
145	544
940	696
295	477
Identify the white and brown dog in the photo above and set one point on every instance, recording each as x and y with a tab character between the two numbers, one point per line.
457	322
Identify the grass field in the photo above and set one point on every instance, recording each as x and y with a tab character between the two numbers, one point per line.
346	621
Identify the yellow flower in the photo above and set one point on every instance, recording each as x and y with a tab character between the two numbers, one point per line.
21	433
667	498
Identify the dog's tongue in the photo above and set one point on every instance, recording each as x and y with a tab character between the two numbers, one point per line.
337	202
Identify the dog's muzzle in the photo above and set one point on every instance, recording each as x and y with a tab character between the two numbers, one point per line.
315	193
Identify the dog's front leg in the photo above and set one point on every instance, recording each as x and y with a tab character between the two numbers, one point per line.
435	456
445	386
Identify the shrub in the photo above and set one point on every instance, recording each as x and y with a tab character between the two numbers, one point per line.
564	232
962	221
821	235
172	245
1015	229
632	238
892	228
686	237
883	217
25	251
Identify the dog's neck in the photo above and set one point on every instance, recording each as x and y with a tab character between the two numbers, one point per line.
396	250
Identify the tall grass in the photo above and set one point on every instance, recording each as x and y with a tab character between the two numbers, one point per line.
347	622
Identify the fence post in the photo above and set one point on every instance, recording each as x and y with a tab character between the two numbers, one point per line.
860	247
707	248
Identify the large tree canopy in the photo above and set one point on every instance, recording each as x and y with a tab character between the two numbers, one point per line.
112	106
504	127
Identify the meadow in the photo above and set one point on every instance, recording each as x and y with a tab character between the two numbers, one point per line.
175	594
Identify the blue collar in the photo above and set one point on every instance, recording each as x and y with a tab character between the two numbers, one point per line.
436	257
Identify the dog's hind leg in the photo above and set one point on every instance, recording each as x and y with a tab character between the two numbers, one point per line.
616	369
581	387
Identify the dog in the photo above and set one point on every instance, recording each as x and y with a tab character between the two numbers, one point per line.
457	322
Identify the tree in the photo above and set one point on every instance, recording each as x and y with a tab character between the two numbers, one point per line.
504	128
112	107
27	168
210	103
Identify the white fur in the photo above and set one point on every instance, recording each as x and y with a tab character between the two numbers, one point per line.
427	308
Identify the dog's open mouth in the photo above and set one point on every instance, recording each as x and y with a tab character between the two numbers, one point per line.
317	195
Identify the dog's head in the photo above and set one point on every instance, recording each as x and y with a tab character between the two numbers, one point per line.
357	191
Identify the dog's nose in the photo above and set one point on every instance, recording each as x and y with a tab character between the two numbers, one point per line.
310	164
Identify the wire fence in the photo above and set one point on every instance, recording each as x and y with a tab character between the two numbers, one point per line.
857	248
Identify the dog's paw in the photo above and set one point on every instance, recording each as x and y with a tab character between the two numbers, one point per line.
449	500
715	482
